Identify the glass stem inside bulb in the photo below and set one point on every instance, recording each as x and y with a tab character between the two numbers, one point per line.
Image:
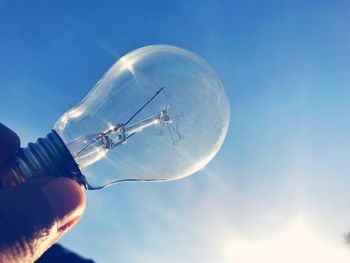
97	145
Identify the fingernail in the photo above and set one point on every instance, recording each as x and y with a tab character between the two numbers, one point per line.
67	200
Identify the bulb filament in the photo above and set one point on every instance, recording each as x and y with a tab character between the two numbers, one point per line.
119	133
97	145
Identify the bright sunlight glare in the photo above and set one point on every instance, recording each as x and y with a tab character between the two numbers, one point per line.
296	243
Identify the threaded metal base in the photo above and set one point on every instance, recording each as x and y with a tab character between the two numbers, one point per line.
48	157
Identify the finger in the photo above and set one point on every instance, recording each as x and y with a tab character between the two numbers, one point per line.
9	143
35	215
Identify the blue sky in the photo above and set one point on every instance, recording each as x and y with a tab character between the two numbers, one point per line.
278	189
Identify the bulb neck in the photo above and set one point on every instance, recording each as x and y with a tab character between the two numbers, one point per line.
48	157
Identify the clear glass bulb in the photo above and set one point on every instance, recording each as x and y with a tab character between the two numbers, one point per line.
159	113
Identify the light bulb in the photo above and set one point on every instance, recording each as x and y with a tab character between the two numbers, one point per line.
159	113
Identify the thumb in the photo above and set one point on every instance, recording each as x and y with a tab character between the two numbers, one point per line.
35	215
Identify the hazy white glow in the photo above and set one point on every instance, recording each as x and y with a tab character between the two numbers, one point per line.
296	243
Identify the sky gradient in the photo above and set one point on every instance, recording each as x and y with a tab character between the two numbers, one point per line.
278	191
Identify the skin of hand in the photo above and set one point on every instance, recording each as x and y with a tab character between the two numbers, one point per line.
34	215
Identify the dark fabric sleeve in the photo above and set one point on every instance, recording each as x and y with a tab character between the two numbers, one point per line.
59	254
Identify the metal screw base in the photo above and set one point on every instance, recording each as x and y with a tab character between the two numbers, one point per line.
48	157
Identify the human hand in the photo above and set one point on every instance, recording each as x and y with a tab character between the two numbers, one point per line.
34	215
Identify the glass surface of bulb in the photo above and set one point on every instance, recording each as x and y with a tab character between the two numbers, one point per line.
159	113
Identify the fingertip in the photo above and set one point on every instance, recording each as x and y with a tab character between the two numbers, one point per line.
36	214
67	199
